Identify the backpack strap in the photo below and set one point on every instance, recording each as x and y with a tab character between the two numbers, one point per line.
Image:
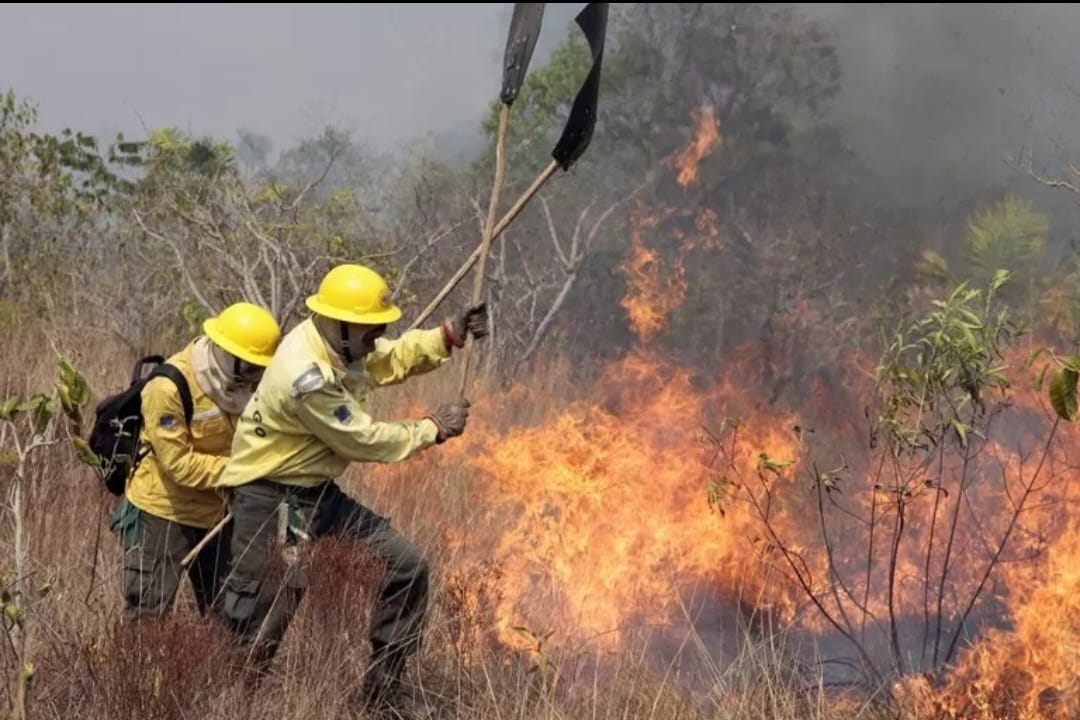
164	369
136	374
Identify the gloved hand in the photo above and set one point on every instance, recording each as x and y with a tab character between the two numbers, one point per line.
471	321
450	419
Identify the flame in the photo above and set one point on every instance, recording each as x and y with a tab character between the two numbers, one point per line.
1029	670
706	136
654	287
653	290
598	509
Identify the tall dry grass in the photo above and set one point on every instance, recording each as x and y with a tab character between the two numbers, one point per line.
86	663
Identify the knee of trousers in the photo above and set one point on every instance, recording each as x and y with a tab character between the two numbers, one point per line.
412	571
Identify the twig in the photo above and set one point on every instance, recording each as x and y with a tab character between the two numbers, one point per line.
1001	548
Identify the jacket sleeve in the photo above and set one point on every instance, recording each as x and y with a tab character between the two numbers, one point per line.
337	419
170	439
414	353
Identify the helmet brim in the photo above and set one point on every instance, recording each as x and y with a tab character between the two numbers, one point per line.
213	330
384	317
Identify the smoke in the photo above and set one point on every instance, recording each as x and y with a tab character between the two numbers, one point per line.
933	96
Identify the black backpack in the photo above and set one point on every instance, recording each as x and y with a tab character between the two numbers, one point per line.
119	421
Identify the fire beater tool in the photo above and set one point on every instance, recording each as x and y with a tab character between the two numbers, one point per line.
575	139
524	29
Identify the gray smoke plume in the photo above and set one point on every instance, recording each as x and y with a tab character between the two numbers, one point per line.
934	95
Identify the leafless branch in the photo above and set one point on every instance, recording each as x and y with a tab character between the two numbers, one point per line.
579	252
553	233
435	238
179	261
1026	165
5	253
334	155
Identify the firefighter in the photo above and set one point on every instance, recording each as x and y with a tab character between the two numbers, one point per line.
306	422
170	501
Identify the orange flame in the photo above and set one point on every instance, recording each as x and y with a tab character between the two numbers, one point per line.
601	510
599	513
706	136
652	291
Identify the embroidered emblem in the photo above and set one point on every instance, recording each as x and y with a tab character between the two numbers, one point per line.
167	421
342	414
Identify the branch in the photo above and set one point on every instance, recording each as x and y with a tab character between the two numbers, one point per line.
179	261
326	171
439	235
553	232
575	241
5	247
803	582
578	255
542	329
1047	182
1004	541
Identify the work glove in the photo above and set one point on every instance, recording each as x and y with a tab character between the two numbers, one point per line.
471	321
450	419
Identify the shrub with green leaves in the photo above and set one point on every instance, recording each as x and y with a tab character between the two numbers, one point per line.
938	370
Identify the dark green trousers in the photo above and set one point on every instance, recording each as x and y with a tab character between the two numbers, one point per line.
259	603
152	550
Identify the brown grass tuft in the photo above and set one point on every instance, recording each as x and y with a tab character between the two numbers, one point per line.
171	668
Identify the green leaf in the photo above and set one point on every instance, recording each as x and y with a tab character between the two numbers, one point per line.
961	431
9	407
717	493
40	407
767	463
84	453
73	390
1040	378
1063	394
1000	278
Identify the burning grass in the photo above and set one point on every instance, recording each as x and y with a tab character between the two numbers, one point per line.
580	571
660	543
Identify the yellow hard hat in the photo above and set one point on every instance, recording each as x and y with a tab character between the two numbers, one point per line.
354	294
247	331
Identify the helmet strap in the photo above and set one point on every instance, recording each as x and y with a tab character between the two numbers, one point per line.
346	346
237	377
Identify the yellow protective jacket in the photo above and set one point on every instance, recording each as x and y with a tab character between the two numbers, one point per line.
303	426
176	479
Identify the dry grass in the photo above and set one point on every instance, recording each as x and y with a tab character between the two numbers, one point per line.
87	664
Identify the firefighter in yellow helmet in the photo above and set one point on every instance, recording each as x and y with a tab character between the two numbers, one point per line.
171	501
306	422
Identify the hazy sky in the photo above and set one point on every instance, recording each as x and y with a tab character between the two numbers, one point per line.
929	90
390	72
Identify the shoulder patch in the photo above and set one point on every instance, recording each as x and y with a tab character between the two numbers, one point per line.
167	421
308	382
341	412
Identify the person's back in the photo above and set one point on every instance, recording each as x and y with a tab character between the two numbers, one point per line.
171	501
176	481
